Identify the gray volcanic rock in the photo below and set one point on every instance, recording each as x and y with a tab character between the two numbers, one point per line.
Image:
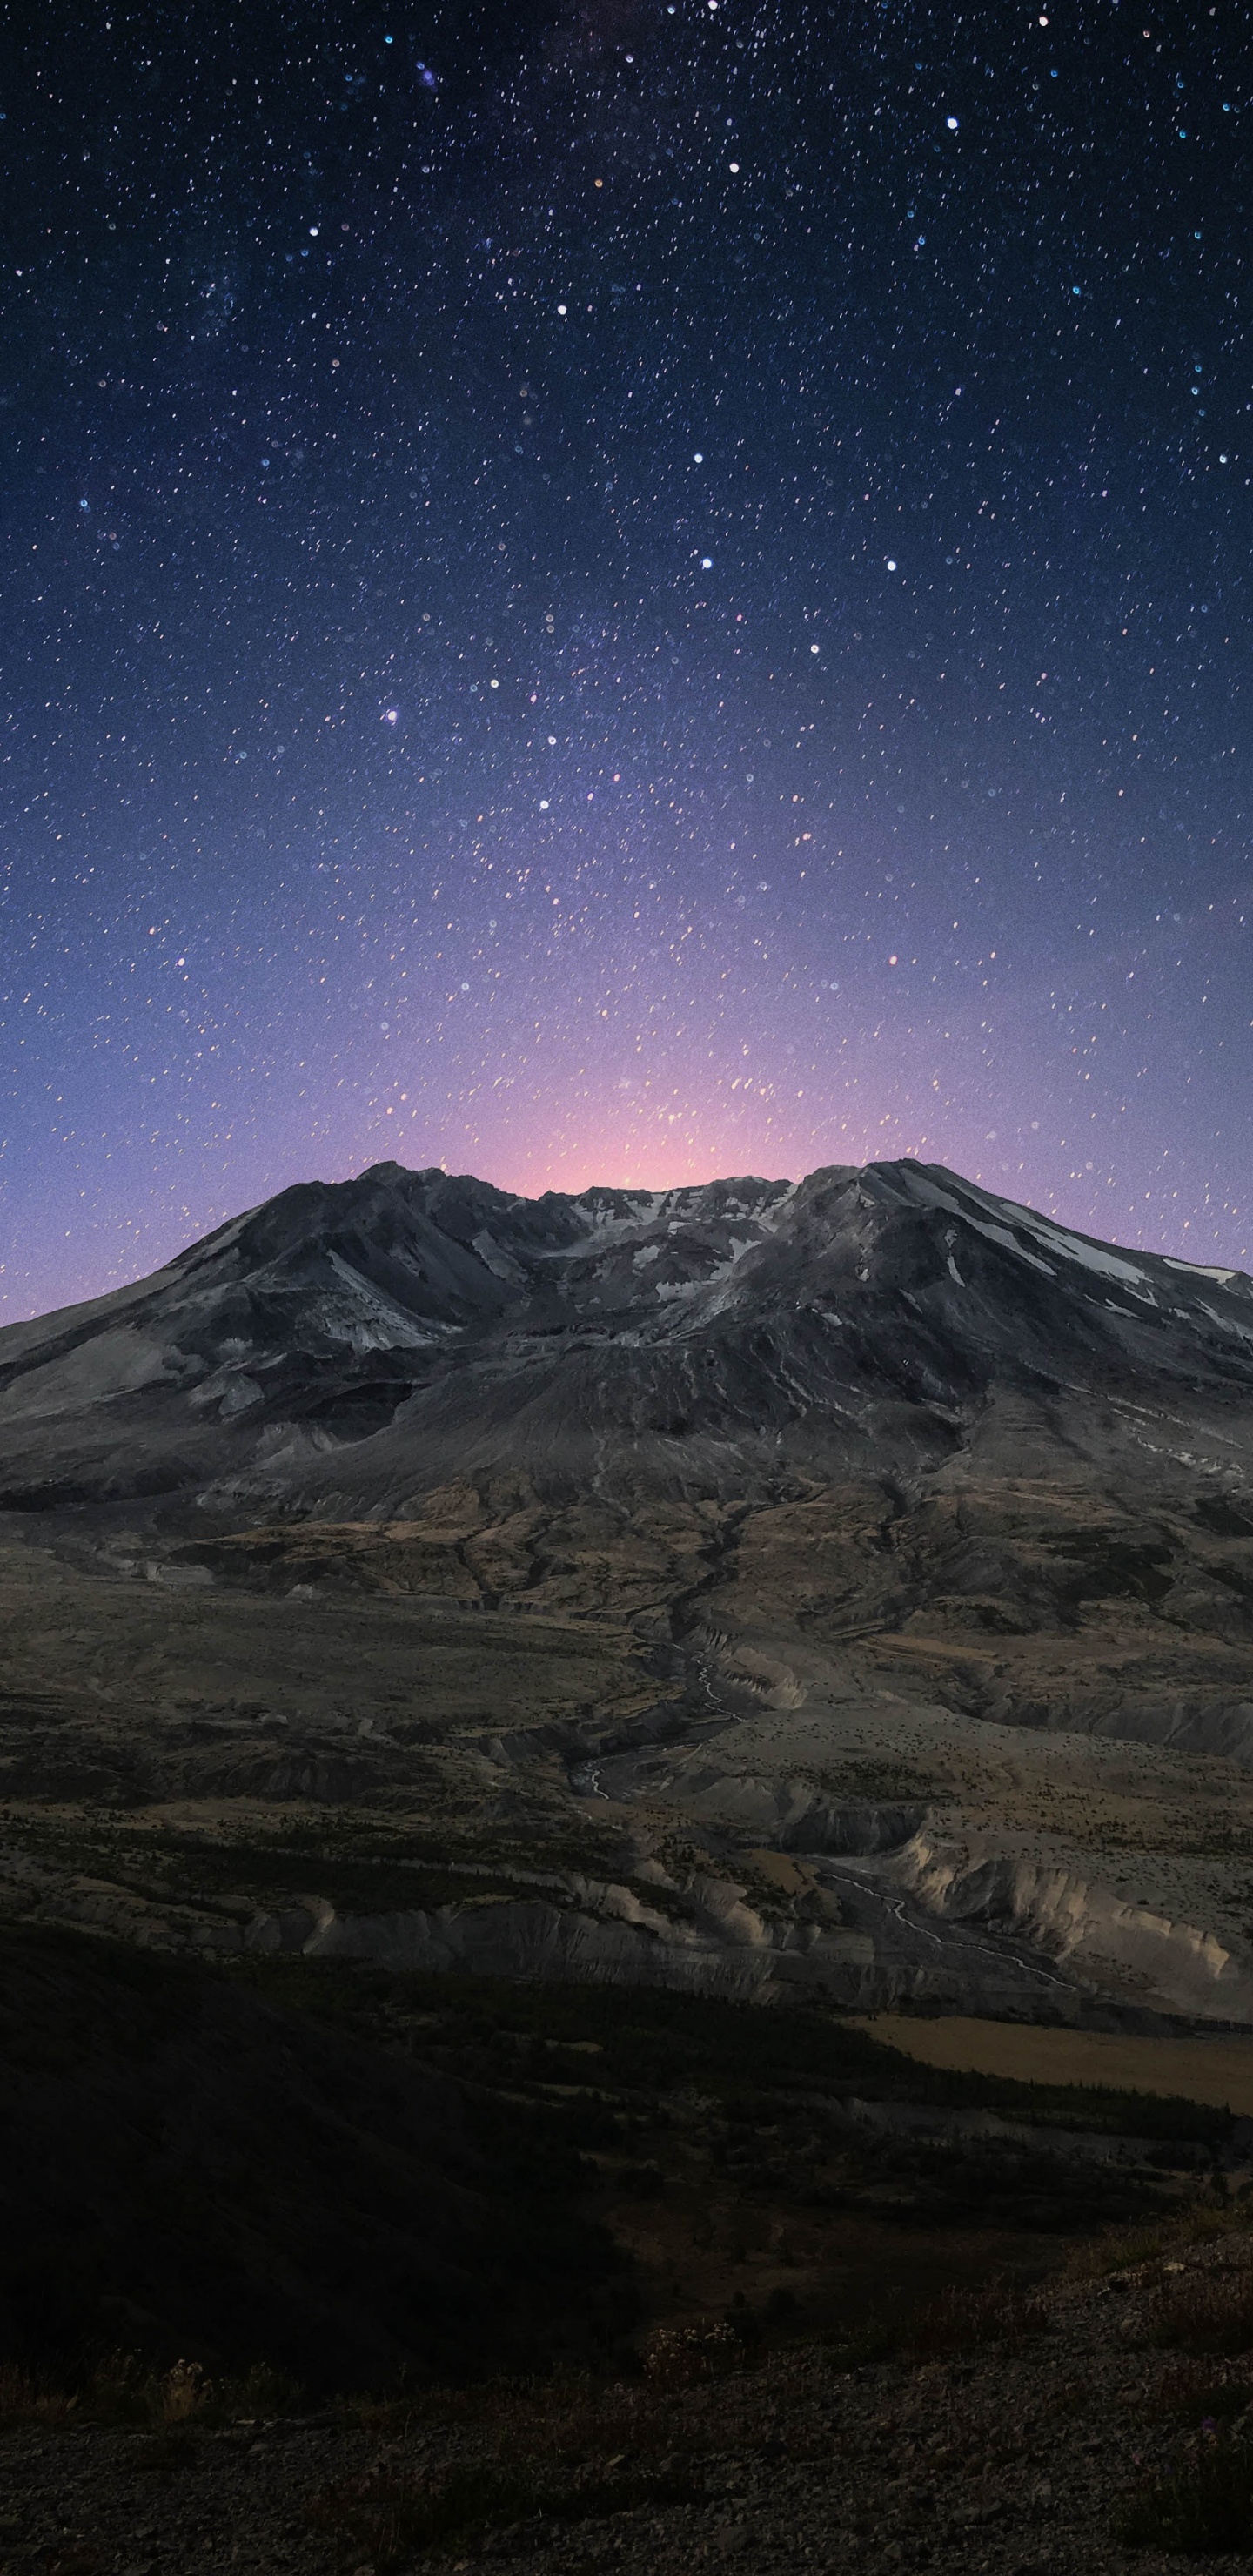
354	1345
651	1537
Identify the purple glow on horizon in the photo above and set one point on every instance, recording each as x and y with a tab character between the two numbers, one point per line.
627	603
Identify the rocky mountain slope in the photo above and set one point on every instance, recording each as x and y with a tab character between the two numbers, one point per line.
568	1562
366	1341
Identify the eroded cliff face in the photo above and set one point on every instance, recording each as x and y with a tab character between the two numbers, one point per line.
1056	1908
888	1909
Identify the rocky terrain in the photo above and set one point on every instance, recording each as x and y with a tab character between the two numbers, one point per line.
1089	2425
496	1698
671	2281
843	1588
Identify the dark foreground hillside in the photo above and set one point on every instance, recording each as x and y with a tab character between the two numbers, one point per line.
330	2269
1099	2426
362	2179
187	2170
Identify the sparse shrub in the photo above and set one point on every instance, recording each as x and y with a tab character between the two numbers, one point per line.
184	2391
1190	2396
962	2320
679	2356
389	2514
1205	2505
124	2389
1204	2312
31	2397
261	2390
571	2416
1122	2251
1198	2224
1003	2311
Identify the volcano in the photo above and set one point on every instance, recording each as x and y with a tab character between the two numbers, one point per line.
871	1530
351	1346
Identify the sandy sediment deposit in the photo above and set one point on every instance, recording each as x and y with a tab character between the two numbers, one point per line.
1218	2069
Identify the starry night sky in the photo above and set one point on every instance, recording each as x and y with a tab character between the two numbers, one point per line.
605	591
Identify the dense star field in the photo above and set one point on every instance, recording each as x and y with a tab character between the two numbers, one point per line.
603	590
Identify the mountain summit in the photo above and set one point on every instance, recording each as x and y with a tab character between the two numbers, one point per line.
607	1548
358	1342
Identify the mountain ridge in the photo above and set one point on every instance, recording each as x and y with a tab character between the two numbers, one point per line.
637	1535
877	1308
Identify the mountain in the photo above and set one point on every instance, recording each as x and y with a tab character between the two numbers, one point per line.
722	1587
352	1346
